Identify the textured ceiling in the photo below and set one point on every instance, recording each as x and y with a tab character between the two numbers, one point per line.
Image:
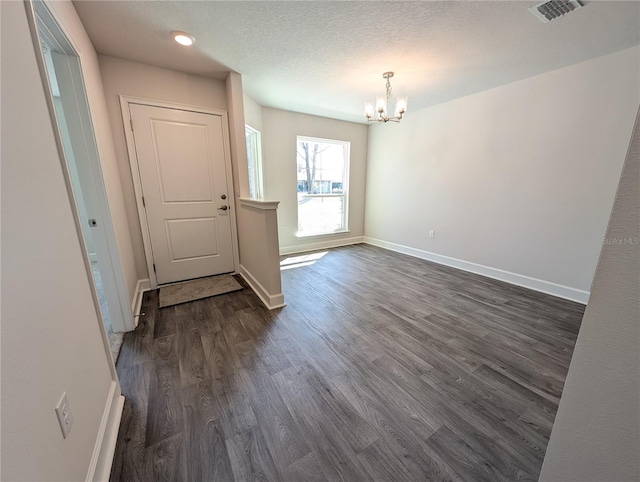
327	58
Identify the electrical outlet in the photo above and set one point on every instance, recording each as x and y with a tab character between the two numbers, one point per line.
63	411
432	233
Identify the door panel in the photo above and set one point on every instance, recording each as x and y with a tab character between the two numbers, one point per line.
192	238
182	165
183	181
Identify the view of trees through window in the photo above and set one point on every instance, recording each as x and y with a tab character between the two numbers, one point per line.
322	183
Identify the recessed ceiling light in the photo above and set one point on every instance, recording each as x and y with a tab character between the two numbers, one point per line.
183	38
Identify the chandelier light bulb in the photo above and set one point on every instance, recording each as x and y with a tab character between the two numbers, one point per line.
401	106
368	110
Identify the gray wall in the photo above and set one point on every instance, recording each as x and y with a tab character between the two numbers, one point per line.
51	337
596	434
520	178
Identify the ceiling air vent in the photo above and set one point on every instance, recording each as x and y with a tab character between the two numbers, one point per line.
553	9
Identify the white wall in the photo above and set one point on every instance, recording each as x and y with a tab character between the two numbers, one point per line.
51	340
279	131
122	77
237	136
252	113
520	178
596	434
259	250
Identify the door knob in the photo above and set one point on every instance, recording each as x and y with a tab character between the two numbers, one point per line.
224	208
224	196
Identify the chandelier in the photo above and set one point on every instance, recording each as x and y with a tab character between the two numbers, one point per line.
380	113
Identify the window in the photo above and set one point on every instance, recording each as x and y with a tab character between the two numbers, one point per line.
254	159
322	186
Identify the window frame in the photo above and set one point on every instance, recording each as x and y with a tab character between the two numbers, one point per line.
254	160
345	186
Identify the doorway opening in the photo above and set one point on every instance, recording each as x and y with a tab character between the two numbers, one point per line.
74	126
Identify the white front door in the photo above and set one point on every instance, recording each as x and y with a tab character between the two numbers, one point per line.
182	162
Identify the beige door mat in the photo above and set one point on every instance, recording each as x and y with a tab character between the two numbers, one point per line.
197	289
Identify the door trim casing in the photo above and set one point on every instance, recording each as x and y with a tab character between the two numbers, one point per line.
125	101
43	13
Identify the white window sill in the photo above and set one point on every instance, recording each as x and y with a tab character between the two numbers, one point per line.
318	235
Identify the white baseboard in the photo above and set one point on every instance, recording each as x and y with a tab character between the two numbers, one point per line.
269	300
102	458
141	286
331	243
561	291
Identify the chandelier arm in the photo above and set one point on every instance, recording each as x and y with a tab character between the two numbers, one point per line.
384	120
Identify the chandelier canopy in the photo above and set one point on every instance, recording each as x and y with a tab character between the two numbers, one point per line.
380	112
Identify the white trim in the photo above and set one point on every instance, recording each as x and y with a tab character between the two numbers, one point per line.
548	287
270	301
125	101
259	204
346	180
104	449
85	139
141	286
332	243
321	235
256	160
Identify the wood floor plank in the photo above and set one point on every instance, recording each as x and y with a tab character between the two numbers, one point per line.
355	430
165	321
306	469
250	459
191	358
468	415
381	367
165	461
165	412
127	460
229	384
337	459
523	396
134	383
370	391
458	453
282	434
401	436
206	453
137	347
381	466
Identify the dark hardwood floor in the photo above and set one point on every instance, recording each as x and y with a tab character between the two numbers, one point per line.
381	367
